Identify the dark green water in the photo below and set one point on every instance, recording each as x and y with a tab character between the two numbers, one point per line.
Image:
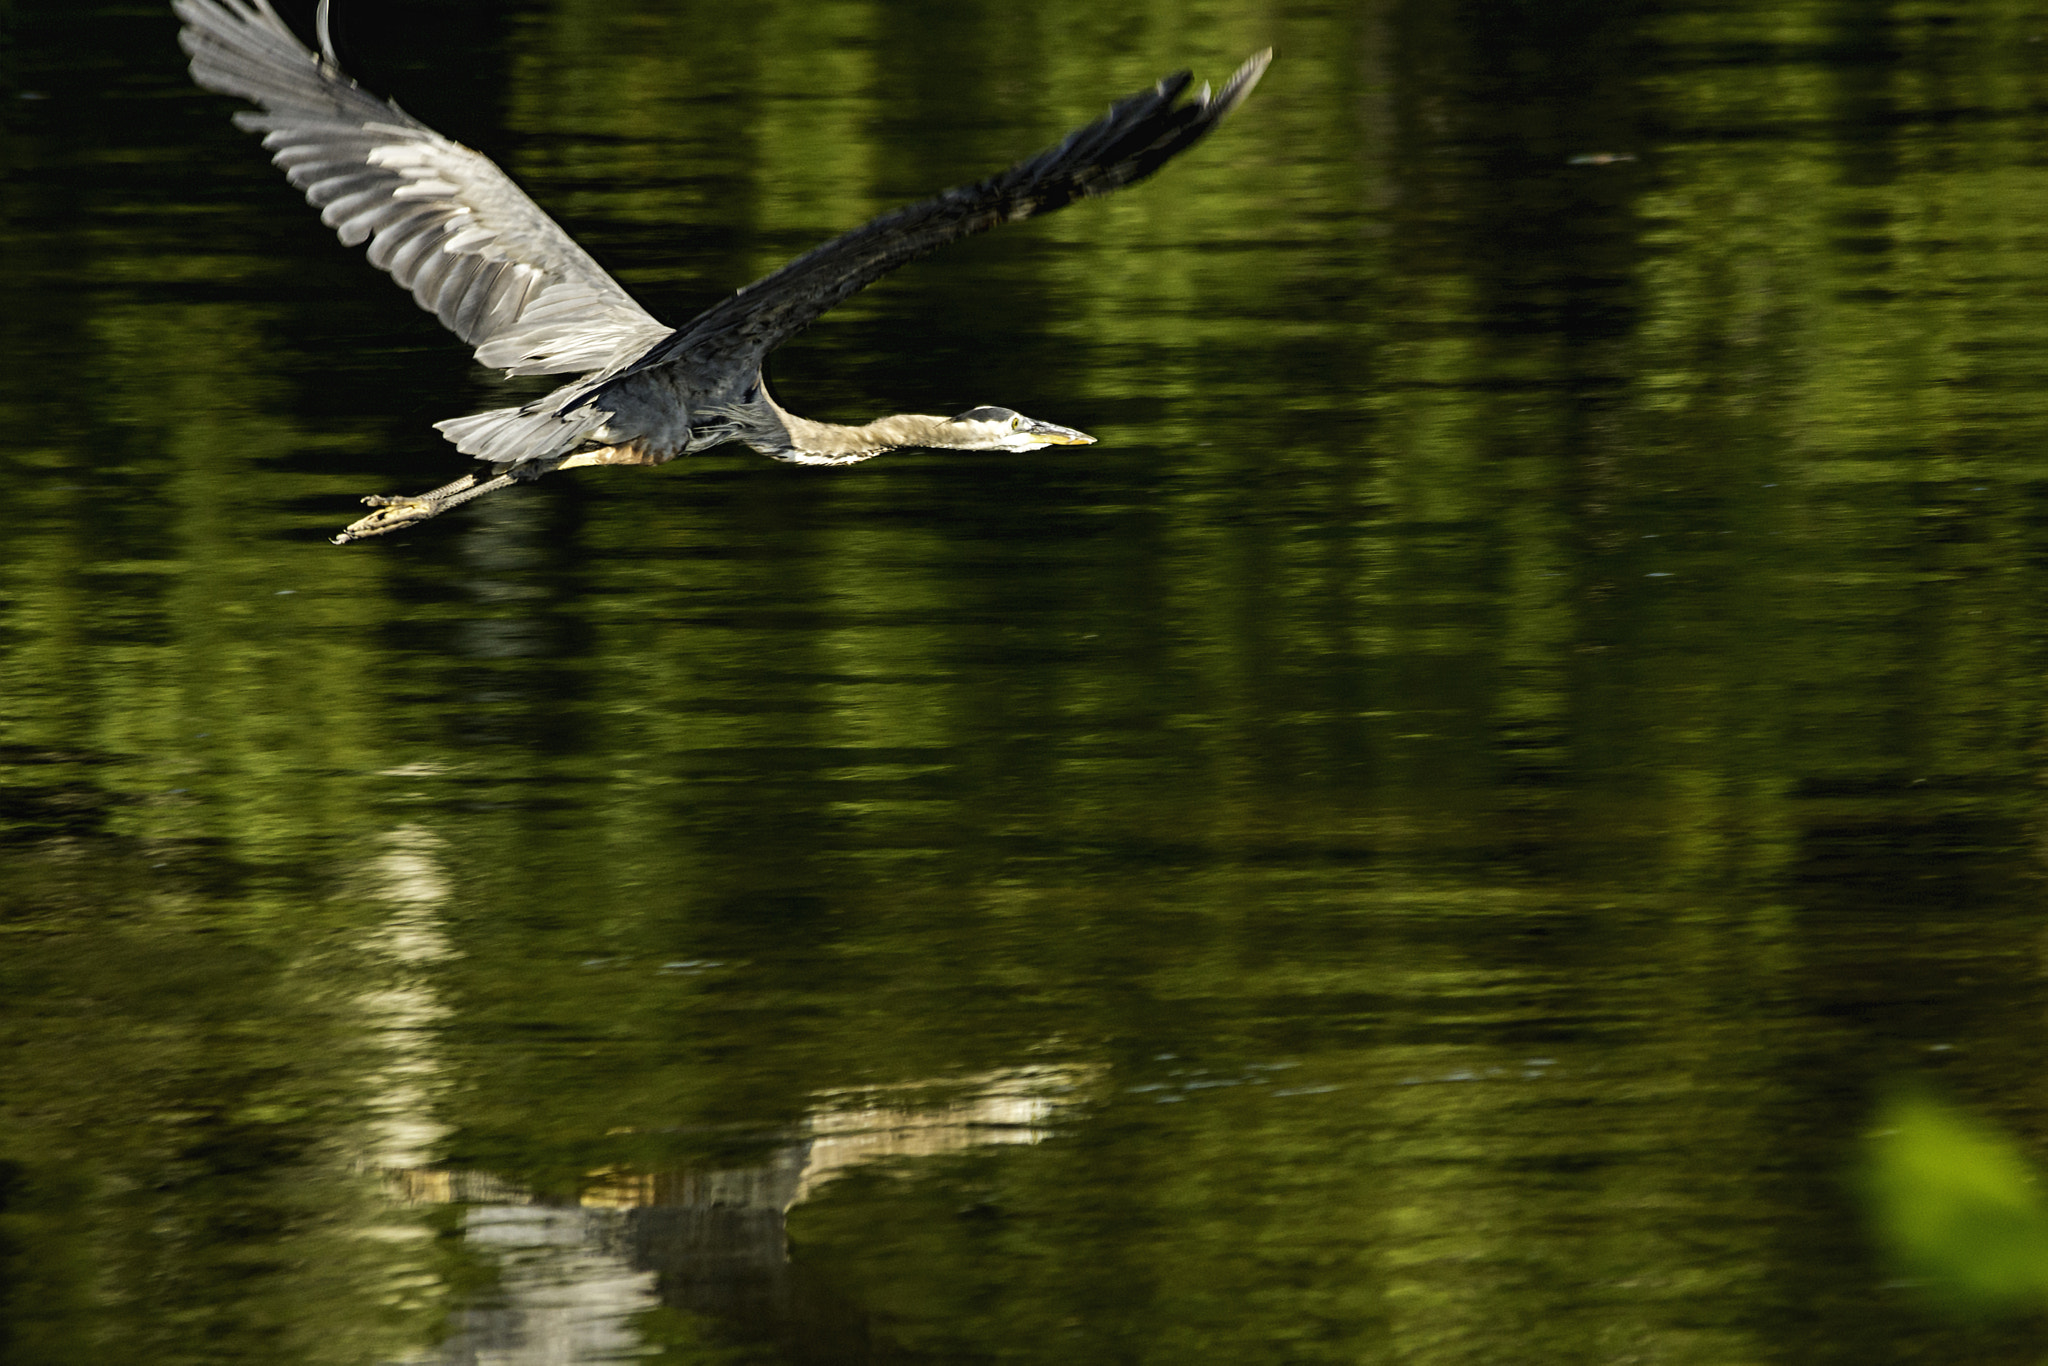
1417	848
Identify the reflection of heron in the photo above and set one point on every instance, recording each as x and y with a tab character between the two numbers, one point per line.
499	273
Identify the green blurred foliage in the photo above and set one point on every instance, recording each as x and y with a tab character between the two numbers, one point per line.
1959	1206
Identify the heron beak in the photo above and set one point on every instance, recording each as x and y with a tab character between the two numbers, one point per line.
1055	435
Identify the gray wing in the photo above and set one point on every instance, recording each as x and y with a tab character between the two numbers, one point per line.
1135	138
443	220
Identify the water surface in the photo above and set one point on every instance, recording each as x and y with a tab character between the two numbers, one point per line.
1416	848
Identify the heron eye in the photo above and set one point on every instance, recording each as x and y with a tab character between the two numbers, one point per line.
1015	423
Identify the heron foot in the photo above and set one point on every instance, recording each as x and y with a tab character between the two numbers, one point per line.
394	512
391	514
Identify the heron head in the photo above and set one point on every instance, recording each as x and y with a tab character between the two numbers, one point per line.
1002	429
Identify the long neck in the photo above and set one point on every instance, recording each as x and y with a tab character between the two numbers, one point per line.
830	443
775	431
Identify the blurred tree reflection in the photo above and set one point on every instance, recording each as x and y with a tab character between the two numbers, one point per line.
1547	651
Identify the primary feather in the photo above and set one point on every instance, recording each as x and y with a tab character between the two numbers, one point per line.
443	220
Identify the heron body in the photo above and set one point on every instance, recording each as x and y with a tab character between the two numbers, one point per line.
451	227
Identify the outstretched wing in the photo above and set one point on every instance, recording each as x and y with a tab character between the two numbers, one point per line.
1135	138
445	221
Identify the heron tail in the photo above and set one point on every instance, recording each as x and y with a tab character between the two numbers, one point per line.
540	430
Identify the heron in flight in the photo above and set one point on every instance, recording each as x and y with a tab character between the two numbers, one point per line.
503	276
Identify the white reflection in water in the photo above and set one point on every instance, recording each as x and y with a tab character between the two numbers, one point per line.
572	1277
1009	1107
568	1291
407	1009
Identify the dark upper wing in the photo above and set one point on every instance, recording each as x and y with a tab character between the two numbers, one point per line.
447	223
1135	138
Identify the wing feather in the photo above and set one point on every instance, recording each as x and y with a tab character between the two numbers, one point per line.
1135	138
443	220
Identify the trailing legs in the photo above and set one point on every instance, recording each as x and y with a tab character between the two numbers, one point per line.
393	513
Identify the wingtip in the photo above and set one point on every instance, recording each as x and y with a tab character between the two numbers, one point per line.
1237	87
1245	78
323	29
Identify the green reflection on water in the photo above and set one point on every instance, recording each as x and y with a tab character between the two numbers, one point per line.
1529	707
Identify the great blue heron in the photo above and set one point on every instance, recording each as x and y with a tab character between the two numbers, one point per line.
499	273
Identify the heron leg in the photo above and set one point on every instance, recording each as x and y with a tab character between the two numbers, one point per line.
380	500
393	513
